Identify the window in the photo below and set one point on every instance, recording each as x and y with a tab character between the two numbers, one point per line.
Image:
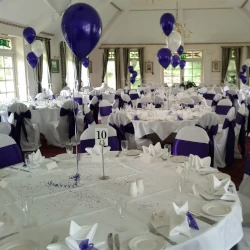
134	55
7	73
110	74
45	78
85	77
192	71
5	44
231	70
70	77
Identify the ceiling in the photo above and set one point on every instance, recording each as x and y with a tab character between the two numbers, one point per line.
137	21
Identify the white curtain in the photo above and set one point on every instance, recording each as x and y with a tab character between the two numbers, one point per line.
45	78
71	70
85	77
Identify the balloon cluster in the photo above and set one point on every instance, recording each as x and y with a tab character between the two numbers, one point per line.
37	47
244	68
133	72
173	43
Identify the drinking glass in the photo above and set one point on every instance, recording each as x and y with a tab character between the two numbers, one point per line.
180	189
69	149
27	203
144	105
168	148
124	146
28	157
120	208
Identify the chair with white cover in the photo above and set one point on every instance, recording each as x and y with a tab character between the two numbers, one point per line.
225	91
218	90
196	99
118	103
133	96
96	93
191	140
126	100
40	97
78	97
209	96
143	100
26	134
49	93
88	138
215	101
10	153
125	131
233	96
62	132
158	101
210	123
88	118
5	128
202	90
141	91
248	115
186	102
66	88
222	109
94	107
240	132
224	142
65	93
105	109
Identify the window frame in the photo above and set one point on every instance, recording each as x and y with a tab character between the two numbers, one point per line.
138	63
106	75
232	58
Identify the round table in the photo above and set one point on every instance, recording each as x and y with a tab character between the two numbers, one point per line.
93	202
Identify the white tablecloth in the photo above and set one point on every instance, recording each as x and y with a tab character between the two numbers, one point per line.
109	97
54	207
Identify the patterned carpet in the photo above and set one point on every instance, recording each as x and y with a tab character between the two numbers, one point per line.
236	171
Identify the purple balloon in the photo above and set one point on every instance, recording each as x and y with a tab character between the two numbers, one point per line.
175	61
131	69
182	64
244	68
244	79
134	74
85	62
167	23
241	74
164	57
32	59
29	34
82	28
132	79
180	50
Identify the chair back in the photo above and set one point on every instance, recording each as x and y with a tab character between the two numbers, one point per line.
88	138
196	100
40	97
5	128
187	101
209	96
105	109
133	96
94	107
218	90
143	100
126	100
222	109
233	96
10	153
65	93
96	93
191	140
78	97
49	93
158	101
226	91
124	129
202	90
88	117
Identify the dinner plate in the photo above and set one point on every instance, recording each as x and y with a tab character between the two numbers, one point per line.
216	209
133	152
222	176
147	242
20	245
64	156
179	159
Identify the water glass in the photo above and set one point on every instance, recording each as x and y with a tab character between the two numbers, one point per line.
144	105
120	208
28	158
180	190
168	148
124	146
27	203
69	149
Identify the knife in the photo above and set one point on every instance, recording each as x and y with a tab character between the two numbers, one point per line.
8	235
203	218
110	241
117	242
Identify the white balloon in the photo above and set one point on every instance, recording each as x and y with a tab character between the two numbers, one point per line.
37	47
174	41
247	62
134	63
58	6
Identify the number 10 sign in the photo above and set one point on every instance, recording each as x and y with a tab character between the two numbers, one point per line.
101	136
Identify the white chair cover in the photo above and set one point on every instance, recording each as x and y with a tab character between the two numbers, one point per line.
65	93
222	109
105	109
215	101
32	141
196	100
158	101
187	101
94	107
126	100
78	97
233	96
218	90
40	97
143	100
202	90
5	128
88	138
49	93
220	141
134	97
209	96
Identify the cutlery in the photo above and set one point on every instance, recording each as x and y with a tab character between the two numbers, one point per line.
213	199
110	241
19	169
118	154
155	232
8	235
117	242
54	239
203	218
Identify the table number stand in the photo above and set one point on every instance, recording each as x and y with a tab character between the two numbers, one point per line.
103	177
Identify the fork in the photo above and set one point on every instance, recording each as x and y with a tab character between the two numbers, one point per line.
54	239
212	199
153	231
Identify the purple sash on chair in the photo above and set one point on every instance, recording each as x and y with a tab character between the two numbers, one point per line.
230	141
16	130
240	119
90	143
99	97
227	93
158	105
121	102
211	132
209	96
129	128
222	110
247	167
248	123
134	96
53	97
88	119
187	105
128	103
233	98
214	103
186	148
142	92
71	116
152	90
78	100
10	155
105	111
95	110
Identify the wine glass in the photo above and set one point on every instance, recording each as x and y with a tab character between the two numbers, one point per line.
120	207
27	203
124	146
69	149
168	148
28	158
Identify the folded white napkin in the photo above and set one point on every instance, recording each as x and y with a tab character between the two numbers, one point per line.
154	151
36	157
97	150
178	221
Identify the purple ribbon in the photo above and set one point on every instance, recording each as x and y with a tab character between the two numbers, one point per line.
95	110
10	155
229	160
84	245
192	222
121	102
134	96
233	98
209	96
222	110
78	100
187	105
142	92
240	119
158	105
99	97
248	124
105	111
88	119
227	93
214	103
